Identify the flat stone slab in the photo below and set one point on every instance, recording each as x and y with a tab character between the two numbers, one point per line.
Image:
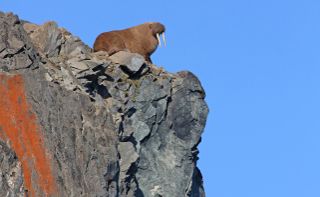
131	61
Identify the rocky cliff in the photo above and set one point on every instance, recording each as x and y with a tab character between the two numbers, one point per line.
77	123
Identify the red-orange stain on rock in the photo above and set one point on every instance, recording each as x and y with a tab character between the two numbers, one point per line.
19	126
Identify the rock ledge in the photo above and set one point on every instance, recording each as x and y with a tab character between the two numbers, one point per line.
92	125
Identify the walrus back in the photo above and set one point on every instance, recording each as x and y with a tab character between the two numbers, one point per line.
139	39
111	42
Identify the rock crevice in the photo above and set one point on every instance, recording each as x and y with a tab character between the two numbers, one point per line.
110	125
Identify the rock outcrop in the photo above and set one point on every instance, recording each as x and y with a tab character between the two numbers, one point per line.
77	123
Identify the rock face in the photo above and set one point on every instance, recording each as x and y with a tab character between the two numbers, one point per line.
77	123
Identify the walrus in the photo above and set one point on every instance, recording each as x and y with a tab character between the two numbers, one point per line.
142	39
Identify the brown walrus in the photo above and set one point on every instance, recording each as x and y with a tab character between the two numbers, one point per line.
142	39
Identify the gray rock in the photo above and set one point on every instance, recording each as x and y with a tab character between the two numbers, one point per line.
11	179
15	43
22	61
131	62
75	63
16	50
110	126
47	39
128	157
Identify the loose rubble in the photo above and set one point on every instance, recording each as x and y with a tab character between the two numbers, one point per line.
112	125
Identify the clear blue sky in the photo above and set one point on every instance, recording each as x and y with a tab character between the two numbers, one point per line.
259	62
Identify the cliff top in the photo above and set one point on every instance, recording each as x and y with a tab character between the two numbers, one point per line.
78	123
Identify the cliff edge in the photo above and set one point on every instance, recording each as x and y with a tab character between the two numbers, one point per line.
77	123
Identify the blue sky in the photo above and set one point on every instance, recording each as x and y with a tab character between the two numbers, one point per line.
259	63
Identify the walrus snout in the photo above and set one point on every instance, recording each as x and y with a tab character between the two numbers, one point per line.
158	29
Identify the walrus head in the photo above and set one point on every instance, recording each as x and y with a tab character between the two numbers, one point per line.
158	29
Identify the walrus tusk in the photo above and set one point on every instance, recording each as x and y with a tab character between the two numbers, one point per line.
158	37
164	39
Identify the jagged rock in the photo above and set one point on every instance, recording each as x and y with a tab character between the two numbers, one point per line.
102	126
131	62
128	157
47	39
11	180
16	51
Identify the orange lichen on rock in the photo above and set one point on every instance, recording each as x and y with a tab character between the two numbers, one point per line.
19	127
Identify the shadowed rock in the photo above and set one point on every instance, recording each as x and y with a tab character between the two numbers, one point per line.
108	126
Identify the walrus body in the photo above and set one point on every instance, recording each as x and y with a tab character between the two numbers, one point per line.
142	39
